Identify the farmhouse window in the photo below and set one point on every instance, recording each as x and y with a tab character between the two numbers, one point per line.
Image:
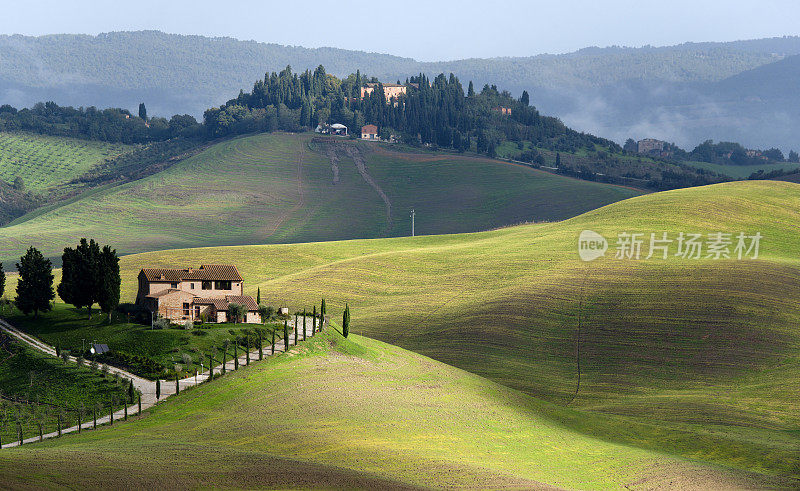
185	309
191	285
222	285
173	285
196	311
206	285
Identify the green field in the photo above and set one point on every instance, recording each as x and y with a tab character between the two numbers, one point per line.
44	162
69	328
276	188
698	359
352	413
36	388
694	357
742	171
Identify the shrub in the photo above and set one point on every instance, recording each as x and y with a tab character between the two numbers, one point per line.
161	324
200	332
188	325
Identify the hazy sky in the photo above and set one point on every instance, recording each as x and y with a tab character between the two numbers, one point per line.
425	30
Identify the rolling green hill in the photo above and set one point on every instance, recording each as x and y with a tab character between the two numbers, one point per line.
695	357
277	188
352	413
743	171
44	162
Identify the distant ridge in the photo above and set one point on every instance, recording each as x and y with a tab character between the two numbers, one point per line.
601	90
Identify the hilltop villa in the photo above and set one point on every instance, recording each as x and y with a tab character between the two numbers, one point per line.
190	294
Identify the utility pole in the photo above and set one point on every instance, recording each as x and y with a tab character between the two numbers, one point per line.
413	214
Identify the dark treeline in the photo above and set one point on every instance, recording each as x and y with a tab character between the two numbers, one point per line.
432	112
110	125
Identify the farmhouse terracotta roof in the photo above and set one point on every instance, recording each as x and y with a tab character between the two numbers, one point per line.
206	272
245	300
222	303
369	128
163	293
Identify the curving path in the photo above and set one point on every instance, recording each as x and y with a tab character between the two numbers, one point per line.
147	388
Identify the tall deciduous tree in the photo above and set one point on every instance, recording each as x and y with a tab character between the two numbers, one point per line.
35	286
108	281
80	274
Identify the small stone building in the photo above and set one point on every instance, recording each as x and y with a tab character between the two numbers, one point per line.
369	132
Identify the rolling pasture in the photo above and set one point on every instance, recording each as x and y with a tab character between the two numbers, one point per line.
699	358
44	162
279	188
744	171
355	413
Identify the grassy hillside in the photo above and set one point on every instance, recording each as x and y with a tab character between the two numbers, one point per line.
742	171
46	161
351	413
697	357
277	188
35	387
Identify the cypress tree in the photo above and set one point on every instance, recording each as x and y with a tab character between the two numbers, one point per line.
236	354
94	417
272	351
108	282
111	414
295	329
177	384
558	159
260	347
258	296
2	280
139	399
304	326
323	309
126	411
346	320
35	285
158	388
210	367
142	111
131	392
247	345
224	356
314	321
285	336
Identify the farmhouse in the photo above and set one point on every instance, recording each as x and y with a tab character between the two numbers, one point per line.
195	293
389	90
369	132
649	145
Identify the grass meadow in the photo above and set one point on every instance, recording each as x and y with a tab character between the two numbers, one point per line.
693	357
36	388
275	188
44	162
743	171
352	413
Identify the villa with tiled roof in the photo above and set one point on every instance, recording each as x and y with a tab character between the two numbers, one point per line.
195	293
